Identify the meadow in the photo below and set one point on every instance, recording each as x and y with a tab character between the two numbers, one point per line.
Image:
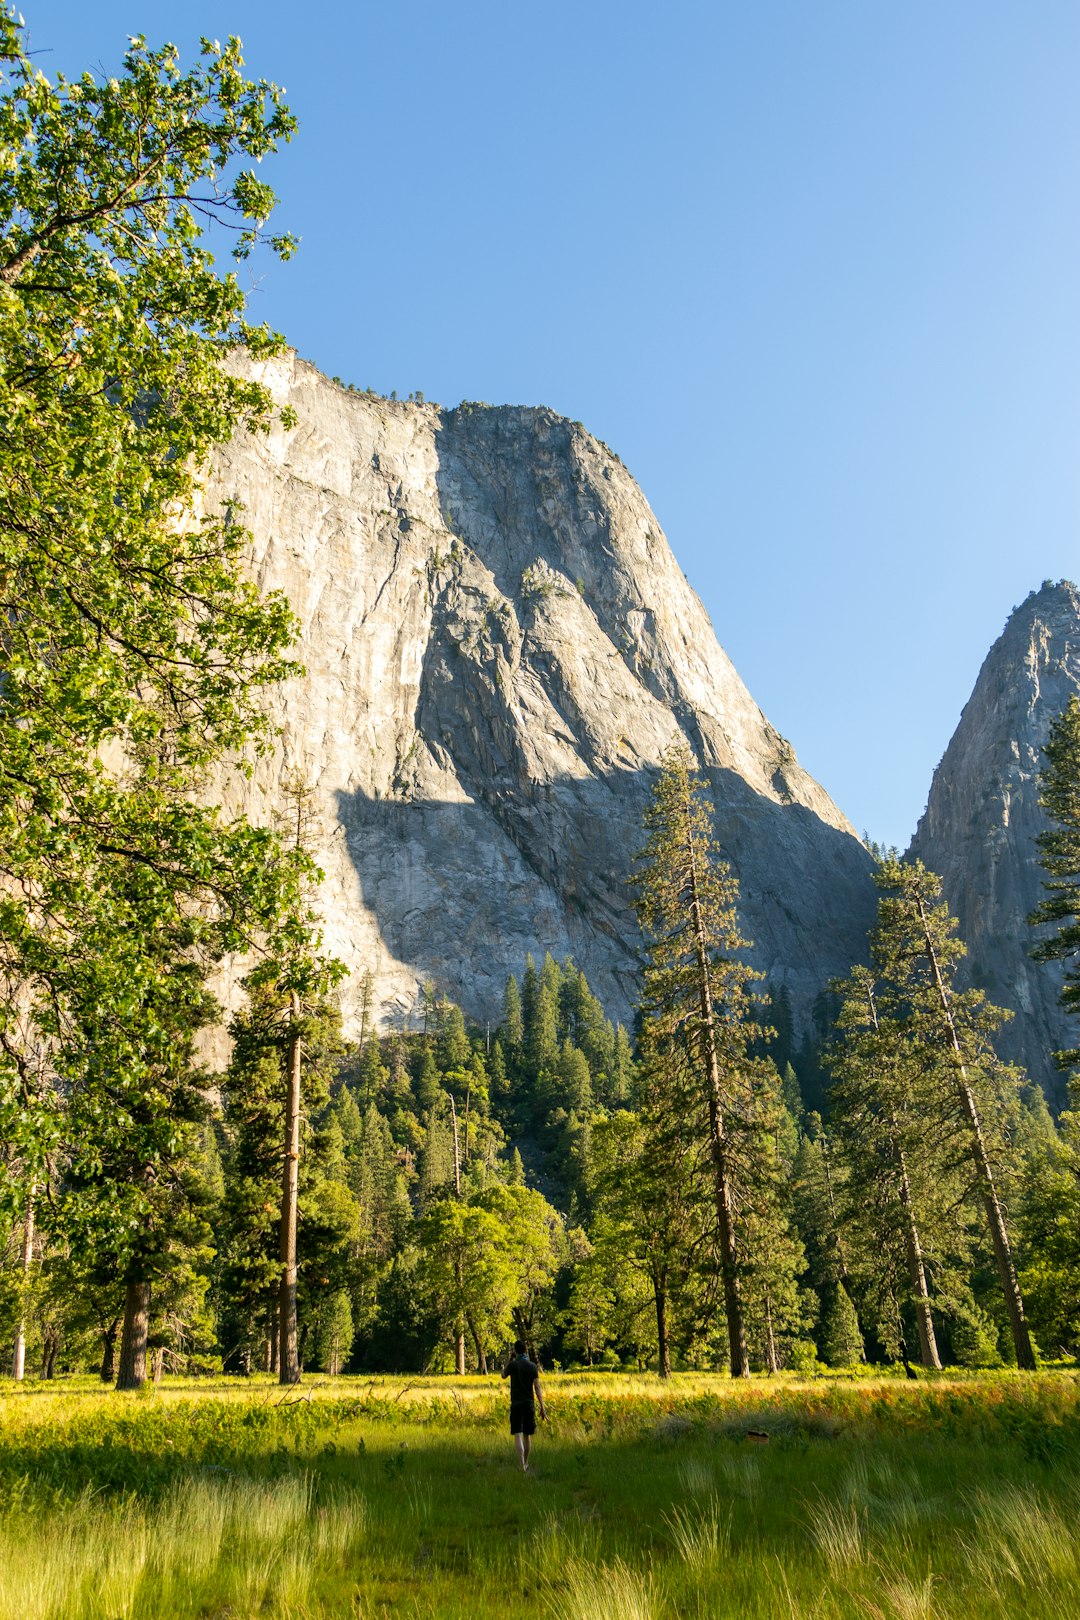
369	1498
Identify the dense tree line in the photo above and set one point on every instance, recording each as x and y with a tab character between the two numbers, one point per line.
544	1179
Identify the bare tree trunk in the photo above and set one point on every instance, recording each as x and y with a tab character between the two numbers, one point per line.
481	1353
740	1361
48	1353
18	1357
158	1364
771	1357
108	1351
663	1342
995	1215
132	1373
288	1362
924	1317
457	1155
273	1347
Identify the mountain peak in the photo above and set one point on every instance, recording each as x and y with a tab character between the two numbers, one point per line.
500	647
983	817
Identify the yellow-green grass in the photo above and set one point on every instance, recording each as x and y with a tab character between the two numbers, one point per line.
357	1497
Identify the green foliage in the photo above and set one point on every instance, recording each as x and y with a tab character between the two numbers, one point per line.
840	1339
1059	850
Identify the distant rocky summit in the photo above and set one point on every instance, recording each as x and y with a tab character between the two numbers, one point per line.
500	647
983	817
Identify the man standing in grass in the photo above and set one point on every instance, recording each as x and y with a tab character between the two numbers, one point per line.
524	1376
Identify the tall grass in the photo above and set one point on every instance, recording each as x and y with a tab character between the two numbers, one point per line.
244	1546
954	1499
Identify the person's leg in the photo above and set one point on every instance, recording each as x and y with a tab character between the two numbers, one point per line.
526	1451
522	1443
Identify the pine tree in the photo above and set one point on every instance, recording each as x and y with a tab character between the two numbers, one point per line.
840	1339
695	993
916	947
1059	849
512	1028
882	1097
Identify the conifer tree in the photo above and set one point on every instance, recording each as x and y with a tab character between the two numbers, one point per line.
916	949
1059	851
512	1026
882	1096
695	993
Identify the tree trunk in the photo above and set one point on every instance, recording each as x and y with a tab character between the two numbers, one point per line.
108	1351
272	1347
457	1155
928	1350
18	1356
739	1360
459	1351
158	1364
288	1361
995	1215
772	1360
132	1373
663	1343
481	1353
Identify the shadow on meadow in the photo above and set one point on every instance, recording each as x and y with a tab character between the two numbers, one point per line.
884	1499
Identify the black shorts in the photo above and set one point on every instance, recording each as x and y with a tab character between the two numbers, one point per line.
522	1418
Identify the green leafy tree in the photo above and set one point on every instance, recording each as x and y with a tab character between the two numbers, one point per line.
134	646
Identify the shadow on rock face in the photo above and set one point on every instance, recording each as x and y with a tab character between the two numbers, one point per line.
464	889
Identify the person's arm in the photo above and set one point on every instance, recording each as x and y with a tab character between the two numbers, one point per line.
540	1400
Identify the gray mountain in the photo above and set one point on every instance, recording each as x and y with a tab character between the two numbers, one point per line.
499	648
983	817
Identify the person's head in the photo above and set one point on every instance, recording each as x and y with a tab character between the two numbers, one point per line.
520	1347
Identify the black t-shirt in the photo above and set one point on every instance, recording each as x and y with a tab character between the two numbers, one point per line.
522	1374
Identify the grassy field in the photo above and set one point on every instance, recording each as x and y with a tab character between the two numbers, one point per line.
870	1497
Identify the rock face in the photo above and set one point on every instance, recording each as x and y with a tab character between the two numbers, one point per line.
499	648
983	817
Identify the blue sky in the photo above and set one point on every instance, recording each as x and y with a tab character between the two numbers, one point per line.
812	269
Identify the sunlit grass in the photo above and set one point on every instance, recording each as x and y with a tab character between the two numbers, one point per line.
376	1498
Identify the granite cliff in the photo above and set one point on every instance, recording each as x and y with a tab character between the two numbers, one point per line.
499	648
983	817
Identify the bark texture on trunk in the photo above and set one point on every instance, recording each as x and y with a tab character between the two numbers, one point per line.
288	1357
663	1342
481	1353
924	1316
995	1215
132	1374
18	1355
771	1357
718	1144
108	1351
